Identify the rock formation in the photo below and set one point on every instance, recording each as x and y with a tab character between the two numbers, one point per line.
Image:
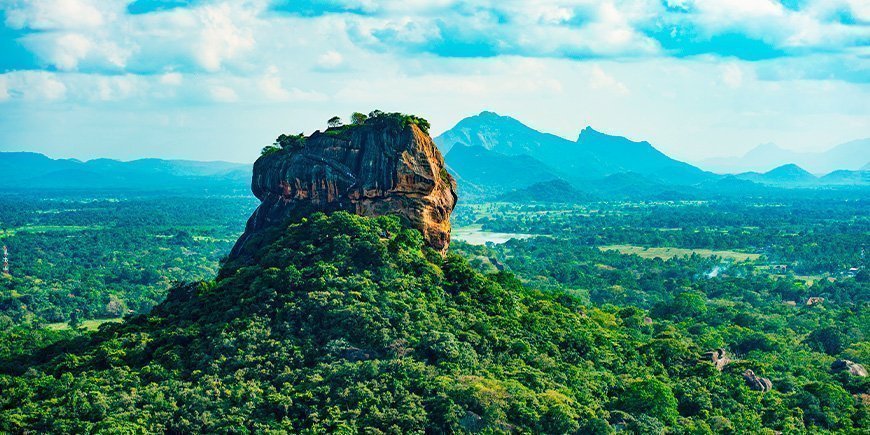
756	382
853	368
718	357
385	165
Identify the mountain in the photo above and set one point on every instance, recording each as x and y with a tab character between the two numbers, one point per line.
852	155
639	157
508	136
501	134
789	175
23	170
496	172
553	191
594	155
844	177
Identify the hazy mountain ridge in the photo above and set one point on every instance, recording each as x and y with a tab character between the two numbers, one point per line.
494	154
495	171
852	155
24	170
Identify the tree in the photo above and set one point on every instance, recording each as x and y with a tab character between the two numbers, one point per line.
335	121
651	397
74	320
358	118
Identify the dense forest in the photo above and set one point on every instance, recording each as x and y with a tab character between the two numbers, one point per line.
599	317
106	255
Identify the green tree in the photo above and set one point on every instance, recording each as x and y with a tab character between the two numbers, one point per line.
358	118
651	397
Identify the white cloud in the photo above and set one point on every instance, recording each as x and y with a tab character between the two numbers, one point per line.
171	79
223	94
598	79
61	14
34	86
732	75
330	60
221	37
4	88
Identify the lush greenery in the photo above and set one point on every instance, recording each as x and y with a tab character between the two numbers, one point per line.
104	255
349	324
809	235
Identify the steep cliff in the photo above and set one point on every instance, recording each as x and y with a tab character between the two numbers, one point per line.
384	165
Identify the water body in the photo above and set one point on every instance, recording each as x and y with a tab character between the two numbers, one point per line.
475	235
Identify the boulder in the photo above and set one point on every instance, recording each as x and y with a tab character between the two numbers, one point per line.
718	357
755	382
853	368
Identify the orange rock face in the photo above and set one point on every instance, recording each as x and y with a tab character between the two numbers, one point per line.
371	170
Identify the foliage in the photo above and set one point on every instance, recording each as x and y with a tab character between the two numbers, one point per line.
104	255
348	324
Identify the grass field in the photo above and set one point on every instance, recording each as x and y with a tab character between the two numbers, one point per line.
667	253
89	325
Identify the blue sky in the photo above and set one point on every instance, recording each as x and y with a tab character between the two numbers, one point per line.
218	79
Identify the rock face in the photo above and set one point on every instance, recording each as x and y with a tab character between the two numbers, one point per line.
384	166
755	382
718	357
853	368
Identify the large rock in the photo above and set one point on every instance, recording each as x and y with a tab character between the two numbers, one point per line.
385	166
853	368
756	382
718	358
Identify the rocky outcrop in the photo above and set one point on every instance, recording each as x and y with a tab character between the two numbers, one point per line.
717	357
756	382
384	166
853	368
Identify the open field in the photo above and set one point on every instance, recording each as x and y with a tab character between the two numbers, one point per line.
667	253
89	325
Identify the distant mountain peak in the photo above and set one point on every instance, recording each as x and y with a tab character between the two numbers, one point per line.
790	172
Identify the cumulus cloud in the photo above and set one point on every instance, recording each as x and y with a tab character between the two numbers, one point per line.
223	94
598	79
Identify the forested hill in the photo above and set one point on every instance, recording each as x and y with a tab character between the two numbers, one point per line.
350	324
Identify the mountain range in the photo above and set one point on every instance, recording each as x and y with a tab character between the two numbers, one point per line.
853	155
24	170
498	156
495	156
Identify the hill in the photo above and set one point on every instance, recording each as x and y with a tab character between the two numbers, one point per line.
844	177
554	191
789	175
36	171
849	156
494	171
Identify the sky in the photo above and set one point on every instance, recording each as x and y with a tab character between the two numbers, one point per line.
219	79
